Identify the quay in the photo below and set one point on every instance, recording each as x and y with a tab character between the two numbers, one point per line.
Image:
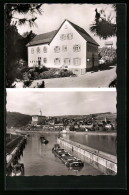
14	149
102	161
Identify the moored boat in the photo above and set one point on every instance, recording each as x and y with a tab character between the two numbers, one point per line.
68	159
43	140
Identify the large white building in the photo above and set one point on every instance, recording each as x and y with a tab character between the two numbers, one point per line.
69	47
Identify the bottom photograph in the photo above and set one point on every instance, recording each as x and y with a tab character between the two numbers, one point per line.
59	133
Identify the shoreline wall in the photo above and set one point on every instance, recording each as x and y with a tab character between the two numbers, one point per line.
102	161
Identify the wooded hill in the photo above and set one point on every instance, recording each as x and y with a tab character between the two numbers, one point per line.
15	119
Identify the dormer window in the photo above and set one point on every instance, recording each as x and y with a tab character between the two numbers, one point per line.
77	48
45	49
69	36
62	37
38	49
56	49
32	50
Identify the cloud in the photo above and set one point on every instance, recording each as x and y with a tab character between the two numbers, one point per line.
61	103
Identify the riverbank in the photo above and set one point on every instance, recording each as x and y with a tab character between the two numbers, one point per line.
112	133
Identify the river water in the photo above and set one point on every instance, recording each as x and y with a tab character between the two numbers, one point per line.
39	160
105	143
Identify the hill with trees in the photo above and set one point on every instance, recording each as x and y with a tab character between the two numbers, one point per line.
15	119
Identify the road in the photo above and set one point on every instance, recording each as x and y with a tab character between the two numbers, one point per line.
89	80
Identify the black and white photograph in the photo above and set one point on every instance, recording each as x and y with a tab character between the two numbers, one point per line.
64	96
60	45
61	133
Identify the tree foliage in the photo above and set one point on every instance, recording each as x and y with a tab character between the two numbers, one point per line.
103	25
107	53
15	43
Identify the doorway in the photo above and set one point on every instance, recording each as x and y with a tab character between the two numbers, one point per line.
39	61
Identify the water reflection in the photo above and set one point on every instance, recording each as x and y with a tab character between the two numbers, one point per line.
105	143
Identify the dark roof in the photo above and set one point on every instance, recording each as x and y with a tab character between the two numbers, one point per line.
42	38
84	34
48	37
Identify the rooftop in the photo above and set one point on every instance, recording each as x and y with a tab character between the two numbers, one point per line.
46	38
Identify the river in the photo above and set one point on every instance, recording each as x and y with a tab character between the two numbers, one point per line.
105	143
39	160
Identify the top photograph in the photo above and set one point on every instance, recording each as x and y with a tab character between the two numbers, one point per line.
60	45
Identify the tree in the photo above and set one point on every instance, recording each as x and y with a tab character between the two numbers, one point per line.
103	25
13	38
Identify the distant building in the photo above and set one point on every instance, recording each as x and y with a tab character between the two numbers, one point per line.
109	44
70	47
38	119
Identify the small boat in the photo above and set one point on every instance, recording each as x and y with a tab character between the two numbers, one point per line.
43	140
18	170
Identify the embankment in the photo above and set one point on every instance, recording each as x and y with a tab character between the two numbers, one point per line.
102	161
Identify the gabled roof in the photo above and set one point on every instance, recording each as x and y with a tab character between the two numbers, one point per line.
42	38
46	38
84	34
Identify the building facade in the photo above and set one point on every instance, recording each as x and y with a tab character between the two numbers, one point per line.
69	47
38	119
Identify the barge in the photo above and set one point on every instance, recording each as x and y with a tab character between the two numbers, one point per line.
68	159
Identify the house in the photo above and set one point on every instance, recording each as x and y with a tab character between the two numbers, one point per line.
70	47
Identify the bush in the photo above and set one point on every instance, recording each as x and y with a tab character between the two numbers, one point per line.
42	85
27	83
53	73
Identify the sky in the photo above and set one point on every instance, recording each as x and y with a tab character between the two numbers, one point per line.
81	14
56	103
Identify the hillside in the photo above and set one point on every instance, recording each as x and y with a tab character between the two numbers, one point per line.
15	119
97	116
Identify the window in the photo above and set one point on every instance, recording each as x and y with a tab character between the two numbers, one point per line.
45	60
77	61
63	37
45	49
64	48
57	49
67	61
57	61
32	50
66	26
69	36
77	48
38	49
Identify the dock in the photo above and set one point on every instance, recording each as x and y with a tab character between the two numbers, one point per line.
14	149
102	161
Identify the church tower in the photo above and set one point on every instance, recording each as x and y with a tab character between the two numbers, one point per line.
40	113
